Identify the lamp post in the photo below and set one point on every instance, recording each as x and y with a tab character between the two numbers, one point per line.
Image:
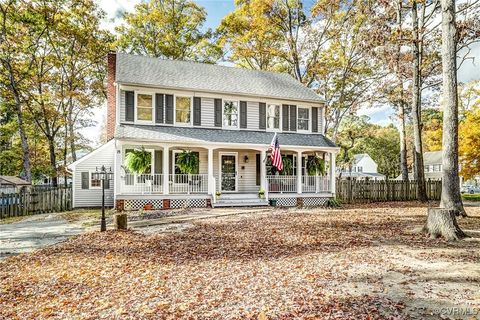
103	175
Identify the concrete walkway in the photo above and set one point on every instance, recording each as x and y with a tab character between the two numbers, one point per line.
35	232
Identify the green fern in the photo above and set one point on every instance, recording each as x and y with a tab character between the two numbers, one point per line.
138	160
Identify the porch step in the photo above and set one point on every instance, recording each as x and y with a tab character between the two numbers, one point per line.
222	204
240	200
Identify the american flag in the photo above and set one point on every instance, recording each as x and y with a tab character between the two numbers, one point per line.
275	154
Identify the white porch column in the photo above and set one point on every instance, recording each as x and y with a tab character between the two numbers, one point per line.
210	171
332	173
117	169
299	171
165	170
263	171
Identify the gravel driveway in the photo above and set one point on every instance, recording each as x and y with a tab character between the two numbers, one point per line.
34	233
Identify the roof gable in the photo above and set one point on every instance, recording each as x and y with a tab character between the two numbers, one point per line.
147	71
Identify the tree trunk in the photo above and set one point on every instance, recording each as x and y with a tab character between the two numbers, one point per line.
451	198
27	172
442	223
402	115
416	111
120	221
53	160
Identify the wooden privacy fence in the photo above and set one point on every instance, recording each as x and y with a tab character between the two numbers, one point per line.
364	191
35	201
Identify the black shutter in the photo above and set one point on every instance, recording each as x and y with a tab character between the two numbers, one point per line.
159	108
262	123
169	108
129	105
85	180
285	117
243	114
258	164
293	118
197	111
218	112
314	119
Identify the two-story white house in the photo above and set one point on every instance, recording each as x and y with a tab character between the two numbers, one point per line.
227	116
363	167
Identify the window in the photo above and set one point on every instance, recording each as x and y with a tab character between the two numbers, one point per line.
183	107
360	169
230	114
95	183
144	107
303	119
273	116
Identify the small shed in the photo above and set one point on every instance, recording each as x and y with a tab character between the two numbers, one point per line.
12	184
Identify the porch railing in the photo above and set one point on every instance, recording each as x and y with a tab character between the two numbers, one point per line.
142	183
315	184
281	184
288	184
188	183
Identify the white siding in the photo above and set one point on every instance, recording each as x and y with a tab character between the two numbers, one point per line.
208	112
93	197
321	110
122	106
253	115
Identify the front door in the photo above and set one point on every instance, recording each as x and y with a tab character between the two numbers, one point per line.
228	172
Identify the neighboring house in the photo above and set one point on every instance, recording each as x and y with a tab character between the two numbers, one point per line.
12	184
363	167
228	116
46	180
432	163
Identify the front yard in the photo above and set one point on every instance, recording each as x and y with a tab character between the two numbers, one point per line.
353	263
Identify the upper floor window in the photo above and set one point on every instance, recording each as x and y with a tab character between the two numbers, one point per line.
144	107
273	116
183	110
303	119
230	114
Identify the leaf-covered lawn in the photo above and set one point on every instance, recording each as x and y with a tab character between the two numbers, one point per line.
313	264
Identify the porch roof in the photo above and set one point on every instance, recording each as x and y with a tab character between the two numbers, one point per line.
204	135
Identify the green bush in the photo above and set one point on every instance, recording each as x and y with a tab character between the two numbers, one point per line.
333	203
471	197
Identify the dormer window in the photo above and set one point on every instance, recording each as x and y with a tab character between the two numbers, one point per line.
144	107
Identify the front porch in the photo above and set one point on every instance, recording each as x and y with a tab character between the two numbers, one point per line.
222	171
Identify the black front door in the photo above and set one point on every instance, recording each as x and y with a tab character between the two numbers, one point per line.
228	165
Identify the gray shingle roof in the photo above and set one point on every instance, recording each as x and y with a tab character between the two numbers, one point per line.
432	157
203	135
133	69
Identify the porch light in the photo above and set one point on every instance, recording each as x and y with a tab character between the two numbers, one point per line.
245	159
103	174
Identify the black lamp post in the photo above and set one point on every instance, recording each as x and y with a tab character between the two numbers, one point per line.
103	175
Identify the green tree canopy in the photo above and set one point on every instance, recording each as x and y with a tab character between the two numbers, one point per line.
168	29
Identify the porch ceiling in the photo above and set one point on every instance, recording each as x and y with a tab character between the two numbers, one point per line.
204	135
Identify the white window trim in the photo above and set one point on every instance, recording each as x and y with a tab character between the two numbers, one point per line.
136	107
280	115
238	114
309	119
90	181
182	124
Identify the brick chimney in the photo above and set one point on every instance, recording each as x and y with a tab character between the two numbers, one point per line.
111	95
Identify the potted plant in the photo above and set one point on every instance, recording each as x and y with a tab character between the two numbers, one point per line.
138	160
315	165
148	206
261	194
218	194
287	166
188	162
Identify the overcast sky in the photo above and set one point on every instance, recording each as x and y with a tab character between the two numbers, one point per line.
216	9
